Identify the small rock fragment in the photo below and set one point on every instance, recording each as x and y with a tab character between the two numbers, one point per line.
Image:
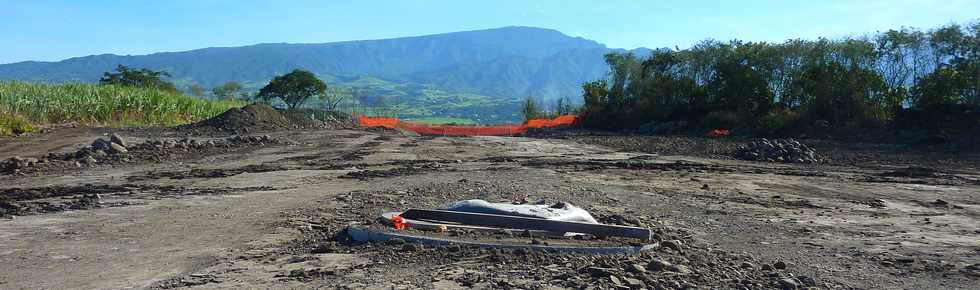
115	138
117	149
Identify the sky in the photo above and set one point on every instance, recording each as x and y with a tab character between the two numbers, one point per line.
51	30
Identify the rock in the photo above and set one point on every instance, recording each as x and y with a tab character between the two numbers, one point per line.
615	280
117	149
411	247
395	241
101	144
599	272
324	249
674	244
788	284
89	160
18	162
746	265
806	281
634	283
635	268
115	138
779	265
679	269
658	265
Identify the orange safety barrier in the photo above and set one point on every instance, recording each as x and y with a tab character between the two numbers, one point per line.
720	133
462	130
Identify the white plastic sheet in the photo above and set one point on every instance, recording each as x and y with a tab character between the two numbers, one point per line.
561	211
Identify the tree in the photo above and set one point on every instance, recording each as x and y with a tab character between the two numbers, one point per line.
229	90
142	78
531	110
293	88
564	106
595	93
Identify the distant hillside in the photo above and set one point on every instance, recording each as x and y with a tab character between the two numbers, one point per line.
504	63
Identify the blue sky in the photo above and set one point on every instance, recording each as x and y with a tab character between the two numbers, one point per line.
53	30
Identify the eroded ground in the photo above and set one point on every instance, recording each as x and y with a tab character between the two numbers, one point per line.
267	216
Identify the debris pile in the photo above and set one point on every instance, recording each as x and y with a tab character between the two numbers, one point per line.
118	150
777	150
262	117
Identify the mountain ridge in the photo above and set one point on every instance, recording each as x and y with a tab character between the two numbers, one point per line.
507	62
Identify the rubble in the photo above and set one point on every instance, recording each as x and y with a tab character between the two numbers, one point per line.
116	149
777	150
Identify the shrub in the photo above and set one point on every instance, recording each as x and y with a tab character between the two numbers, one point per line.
720	120
12	124
779	122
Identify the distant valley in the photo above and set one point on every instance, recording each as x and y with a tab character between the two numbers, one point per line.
477	75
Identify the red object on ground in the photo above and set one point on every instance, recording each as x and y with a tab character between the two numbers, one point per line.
398	222
461	130
720	133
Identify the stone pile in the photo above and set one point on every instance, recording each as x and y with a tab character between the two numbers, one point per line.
116	149
777	150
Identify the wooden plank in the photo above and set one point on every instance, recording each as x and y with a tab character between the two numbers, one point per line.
516	222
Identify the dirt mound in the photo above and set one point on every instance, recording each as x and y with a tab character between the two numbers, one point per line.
262	117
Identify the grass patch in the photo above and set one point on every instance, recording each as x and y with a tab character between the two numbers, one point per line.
37	104
11	124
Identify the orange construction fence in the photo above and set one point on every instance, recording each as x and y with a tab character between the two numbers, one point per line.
463	130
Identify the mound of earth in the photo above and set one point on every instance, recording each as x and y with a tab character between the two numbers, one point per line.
262	117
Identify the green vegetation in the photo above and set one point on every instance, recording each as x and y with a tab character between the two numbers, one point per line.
13	124
229	91
531	109
412	101
293	88
142	78
23	104
442	121
797	86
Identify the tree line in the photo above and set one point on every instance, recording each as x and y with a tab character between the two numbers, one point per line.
799	85
292	89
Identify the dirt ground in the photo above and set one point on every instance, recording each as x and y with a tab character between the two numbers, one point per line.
270	214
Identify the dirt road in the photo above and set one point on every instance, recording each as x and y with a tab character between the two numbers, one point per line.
267	216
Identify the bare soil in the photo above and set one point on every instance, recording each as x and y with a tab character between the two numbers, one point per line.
271	214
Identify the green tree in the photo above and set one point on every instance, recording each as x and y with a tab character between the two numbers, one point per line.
564	106
531	110
143	78
595	93
293	88
229	90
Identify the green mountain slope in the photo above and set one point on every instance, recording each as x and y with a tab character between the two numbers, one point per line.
499	65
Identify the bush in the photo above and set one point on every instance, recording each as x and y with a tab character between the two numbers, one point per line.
720	120
779	122
12	124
